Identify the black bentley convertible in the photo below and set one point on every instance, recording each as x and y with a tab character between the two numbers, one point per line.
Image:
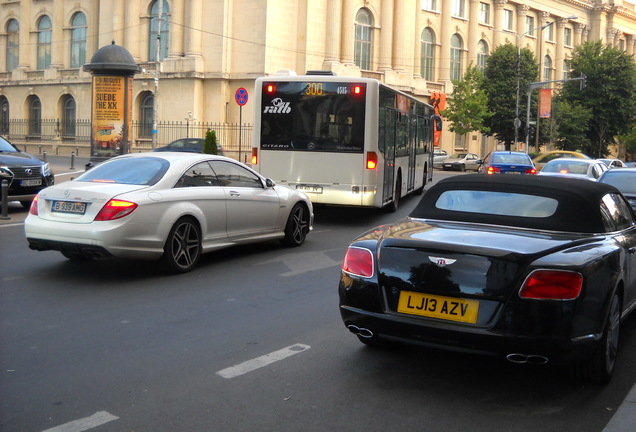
533	269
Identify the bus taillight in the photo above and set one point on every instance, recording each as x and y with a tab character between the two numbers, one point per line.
270	88
372	160
254	156
357	89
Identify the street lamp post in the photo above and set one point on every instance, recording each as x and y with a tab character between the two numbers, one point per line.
517	121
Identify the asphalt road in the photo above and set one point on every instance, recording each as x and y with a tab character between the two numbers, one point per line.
251	340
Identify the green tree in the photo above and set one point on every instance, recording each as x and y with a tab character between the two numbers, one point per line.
568	125
628	143
467	107
609	94
209	145
500	86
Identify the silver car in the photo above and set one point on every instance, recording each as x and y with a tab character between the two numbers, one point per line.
588	169
462	162
169	206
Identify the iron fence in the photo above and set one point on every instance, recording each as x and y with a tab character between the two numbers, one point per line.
55	134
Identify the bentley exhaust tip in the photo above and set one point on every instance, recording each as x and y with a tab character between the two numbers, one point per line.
362	332
534	359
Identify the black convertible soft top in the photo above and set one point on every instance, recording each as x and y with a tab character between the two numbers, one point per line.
578	209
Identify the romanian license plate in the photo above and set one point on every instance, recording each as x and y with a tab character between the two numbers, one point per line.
31	182
433	306
309	188
512	172
68	207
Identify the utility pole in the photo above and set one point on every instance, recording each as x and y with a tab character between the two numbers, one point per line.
155	105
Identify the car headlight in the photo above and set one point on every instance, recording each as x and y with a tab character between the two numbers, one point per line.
46	169
5	172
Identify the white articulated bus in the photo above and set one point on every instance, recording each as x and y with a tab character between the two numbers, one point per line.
342	140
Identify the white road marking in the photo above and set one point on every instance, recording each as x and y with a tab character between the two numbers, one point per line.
97	419
262	361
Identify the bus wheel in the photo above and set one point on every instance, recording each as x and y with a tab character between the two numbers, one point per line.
392	208
420	190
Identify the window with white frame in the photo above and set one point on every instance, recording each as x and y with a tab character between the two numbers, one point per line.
362	42
427	54
529	23
482	54
507	17
45	31
456	57
567	36
429	4
458	9
549	32
13	43
547	68
484	13
78	40
566	69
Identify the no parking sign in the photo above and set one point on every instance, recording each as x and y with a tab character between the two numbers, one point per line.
241	96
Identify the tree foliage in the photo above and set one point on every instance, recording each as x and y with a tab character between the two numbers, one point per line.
500	86
609	94
568	125
210	145
467	107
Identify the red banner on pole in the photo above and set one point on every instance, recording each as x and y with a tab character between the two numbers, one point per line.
545	103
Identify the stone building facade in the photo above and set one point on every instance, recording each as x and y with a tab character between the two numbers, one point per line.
208	49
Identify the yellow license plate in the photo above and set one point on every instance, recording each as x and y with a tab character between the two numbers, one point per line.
433	306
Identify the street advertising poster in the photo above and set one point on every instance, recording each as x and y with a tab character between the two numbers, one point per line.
545	103
111	119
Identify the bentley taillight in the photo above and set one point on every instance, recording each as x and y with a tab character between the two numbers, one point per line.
358	262
552	285
115	209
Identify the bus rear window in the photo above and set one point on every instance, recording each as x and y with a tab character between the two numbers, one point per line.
313	116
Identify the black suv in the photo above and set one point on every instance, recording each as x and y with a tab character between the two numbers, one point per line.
26	174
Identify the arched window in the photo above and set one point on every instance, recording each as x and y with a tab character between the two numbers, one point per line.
547	68
146	115
428	54
4	116
78	40
362	45
44	43
35	116
13	42
456	57
164	35
69	117
482	54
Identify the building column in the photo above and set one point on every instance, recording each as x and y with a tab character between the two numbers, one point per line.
404	33
57	35
385	56
578	32
178	43
132	34
25	37
560	49
498	22
417	42
473	32
522	11
348	28
443	56
332	34
541	44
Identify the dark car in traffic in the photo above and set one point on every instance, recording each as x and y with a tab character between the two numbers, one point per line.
26	174
624	180
507	162
528	268
190	145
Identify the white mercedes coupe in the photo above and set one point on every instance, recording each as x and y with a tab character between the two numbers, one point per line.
169	206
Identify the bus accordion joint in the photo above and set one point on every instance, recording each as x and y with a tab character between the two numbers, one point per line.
254	156
372	160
